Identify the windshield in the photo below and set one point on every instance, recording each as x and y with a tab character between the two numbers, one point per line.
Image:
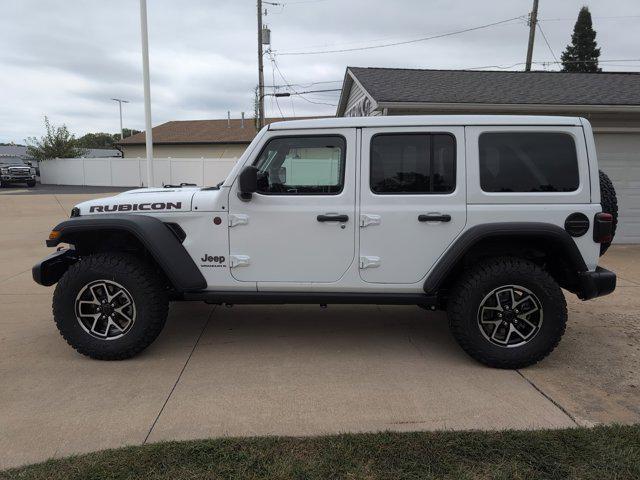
12	161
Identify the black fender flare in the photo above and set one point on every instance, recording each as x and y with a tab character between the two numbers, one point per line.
153	234
473	235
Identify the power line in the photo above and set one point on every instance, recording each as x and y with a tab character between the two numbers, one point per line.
273	79
289	85
406	42
319	91
303	85
615	17
547	42
554	62
302	2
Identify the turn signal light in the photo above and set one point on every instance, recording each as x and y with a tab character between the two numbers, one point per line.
54	235
603	228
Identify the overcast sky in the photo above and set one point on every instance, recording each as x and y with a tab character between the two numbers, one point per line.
67	58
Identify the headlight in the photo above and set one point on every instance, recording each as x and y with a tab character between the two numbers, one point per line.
4	171
32	171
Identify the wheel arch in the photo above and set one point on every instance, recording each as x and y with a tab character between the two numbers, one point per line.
151	235
544	243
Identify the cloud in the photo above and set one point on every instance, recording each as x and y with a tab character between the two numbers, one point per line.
68	59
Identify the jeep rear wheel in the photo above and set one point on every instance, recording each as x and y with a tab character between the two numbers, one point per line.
110	306
507	313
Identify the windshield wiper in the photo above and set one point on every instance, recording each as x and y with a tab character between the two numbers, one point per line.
180	186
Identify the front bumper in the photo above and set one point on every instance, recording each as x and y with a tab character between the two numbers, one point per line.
18	178
596	284
49	270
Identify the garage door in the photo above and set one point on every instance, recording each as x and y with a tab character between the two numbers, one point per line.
619	157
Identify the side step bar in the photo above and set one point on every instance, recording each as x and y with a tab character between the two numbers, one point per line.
276	298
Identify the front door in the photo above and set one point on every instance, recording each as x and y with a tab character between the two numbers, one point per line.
413	200
299	226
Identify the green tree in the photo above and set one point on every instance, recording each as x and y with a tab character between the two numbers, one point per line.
97	140
56	143
583	52
128	132
103	140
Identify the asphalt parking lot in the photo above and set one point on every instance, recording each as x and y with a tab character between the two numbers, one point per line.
290	370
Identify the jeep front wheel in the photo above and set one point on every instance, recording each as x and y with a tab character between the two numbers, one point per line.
110	306
507	313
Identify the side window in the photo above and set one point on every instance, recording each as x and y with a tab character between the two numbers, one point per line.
415	163
302	166
528	162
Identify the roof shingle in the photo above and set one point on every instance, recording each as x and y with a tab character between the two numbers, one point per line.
491	87
201	131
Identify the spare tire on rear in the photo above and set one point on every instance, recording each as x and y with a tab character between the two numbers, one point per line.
609	202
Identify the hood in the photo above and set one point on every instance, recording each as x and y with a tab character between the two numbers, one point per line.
142	200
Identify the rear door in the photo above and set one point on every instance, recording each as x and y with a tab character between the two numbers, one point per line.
412	200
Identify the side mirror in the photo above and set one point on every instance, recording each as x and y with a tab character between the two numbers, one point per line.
248	182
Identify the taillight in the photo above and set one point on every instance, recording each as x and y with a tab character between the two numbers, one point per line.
603	228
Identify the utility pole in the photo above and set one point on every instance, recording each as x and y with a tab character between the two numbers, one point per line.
260	70
533	21
147	91
120	102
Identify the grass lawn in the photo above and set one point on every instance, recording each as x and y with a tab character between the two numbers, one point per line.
580	453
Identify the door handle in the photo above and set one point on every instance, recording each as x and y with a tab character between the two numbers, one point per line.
333	218
434	217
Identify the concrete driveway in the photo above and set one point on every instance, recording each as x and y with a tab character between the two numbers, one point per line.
287	370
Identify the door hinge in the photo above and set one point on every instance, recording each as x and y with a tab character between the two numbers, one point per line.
238	219
239	261
367	219
369	262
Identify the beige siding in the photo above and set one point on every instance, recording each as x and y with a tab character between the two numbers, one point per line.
223	151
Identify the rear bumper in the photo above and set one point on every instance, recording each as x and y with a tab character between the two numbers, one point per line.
596	284
49	270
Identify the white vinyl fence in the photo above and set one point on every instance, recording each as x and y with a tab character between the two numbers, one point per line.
132	172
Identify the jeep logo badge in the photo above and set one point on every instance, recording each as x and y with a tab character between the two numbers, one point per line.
209	259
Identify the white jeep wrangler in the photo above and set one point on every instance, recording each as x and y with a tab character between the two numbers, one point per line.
487	217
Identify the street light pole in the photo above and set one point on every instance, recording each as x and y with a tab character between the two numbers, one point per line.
120	102
147	91
260	70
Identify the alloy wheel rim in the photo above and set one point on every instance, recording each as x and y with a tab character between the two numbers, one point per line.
105	309
510	316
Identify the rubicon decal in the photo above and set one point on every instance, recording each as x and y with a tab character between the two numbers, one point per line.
136	207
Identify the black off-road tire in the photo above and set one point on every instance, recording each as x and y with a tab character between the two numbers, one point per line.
31	184
468	294
609	202
146	290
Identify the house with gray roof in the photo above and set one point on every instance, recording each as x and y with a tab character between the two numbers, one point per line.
609	100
